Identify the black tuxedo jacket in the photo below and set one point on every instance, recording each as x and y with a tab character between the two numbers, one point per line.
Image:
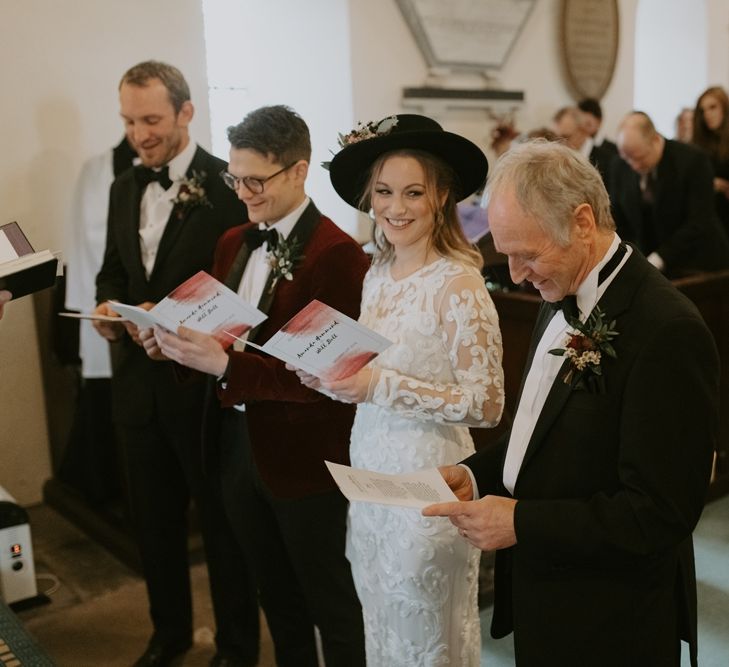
687	233
610	489
601	156
141	386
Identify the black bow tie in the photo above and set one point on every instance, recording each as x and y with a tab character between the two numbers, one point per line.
145	176
568	305
256	238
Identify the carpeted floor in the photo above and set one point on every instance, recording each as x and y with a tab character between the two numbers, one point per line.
97	616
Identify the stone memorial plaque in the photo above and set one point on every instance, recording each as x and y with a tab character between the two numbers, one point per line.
465	34
589	36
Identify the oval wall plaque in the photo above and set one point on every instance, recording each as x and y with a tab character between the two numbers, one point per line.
589	36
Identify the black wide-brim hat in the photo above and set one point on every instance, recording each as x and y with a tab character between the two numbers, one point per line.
349	169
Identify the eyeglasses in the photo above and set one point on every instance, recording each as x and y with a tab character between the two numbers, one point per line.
255	185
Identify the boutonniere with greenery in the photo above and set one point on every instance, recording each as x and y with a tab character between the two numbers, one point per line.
283	258
585	348
364	131
191	193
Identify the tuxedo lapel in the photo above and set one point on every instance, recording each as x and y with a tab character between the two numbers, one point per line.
132	226
178	216
235	273
614	302
300	234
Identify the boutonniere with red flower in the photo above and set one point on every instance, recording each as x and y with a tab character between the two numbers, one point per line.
585	348
283	258
191	193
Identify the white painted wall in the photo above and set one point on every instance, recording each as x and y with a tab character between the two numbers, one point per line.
62	62
671	58
285	52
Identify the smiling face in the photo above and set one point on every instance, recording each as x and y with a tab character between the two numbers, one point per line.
281	194
553	269
403	209
154	129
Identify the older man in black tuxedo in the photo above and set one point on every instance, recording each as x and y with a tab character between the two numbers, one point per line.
592	496
165	218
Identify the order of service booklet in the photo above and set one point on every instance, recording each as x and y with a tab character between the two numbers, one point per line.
324	342
22	270
201	303
414	489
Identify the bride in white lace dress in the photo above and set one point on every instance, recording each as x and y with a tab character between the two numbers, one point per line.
416	577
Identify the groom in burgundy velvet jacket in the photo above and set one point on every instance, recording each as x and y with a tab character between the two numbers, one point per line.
269	434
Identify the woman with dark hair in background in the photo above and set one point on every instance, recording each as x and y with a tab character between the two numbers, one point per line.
711	132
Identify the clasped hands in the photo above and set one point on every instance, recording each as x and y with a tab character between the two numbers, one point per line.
487	523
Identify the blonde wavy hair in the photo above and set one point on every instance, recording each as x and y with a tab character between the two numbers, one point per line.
447	237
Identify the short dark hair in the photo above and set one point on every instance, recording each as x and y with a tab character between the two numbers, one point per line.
592	106
141	74
277	132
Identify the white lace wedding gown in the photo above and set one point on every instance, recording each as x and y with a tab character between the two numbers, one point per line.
416	577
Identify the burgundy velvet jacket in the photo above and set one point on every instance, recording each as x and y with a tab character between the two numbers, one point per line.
293	429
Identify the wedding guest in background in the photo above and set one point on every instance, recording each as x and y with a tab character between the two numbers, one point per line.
685	126
662	200
711	133
568	125
273	434
416	579
591	120
591	497
502	136
154	242
5	296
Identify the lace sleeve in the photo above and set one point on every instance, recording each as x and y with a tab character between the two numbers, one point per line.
470	333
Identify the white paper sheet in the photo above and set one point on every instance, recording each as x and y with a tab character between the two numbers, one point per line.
416	489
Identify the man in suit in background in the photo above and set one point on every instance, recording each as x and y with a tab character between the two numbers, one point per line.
591	120
156	239
273	433
663	200
591	497
568	125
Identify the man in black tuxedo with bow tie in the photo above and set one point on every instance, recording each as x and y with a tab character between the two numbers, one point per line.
591	497
165	218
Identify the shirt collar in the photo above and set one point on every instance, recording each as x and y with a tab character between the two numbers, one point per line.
181	162
286	224
589	292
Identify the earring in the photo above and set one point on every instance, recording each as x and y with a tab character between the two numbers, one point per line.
371	214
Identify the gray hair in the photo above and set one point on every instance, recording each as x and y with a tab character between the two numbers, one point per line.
550	181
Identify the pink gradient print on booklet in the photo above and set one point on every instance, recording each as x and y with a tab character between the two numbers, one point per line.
324	342
201	303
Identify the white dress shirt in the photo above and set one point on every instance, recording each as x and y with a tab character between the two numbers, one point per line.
156	206
255	275
545	366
